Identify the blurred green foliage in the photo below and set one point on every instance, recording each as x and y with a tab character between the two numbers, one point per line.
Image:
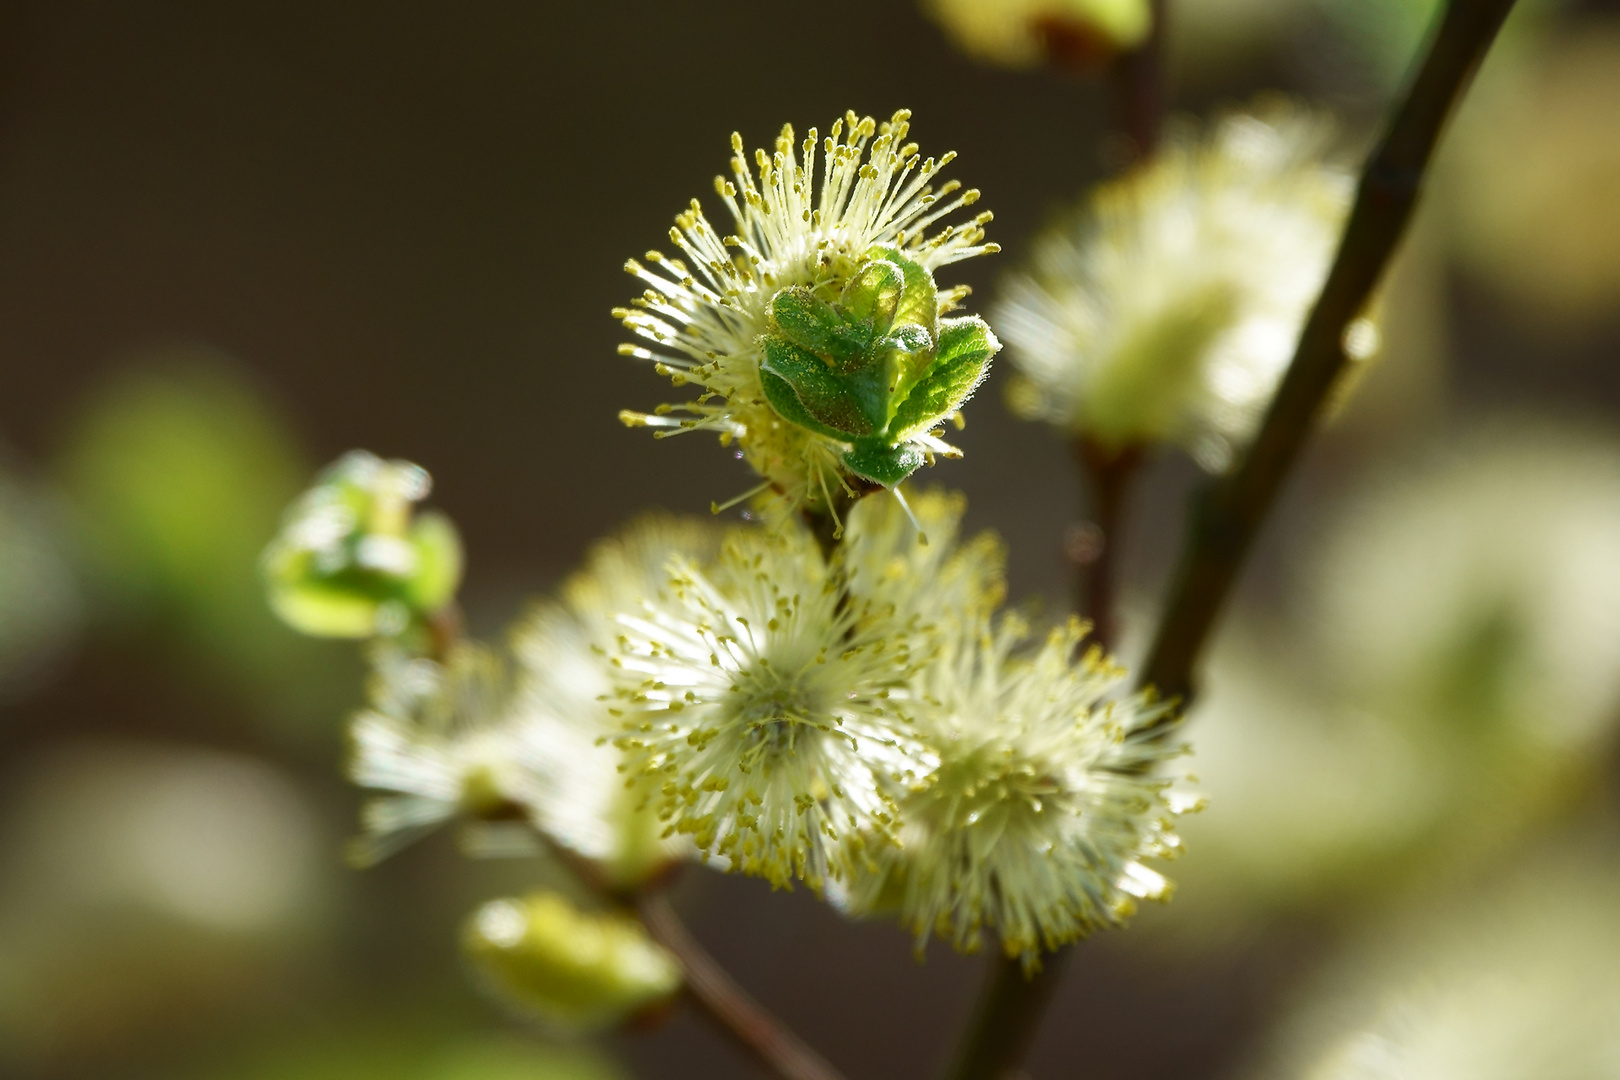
176	472
40	602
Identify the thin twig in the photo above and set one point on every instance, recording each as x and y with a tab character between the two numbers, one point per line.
1007	1016
1227	518
826	522
748	1023
1108	474
737	1014
1140	86
826	526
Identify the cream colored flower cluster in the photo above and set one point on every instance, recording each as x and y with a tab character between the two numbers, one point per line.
516	742
848	707
874	728
869	726
1167	308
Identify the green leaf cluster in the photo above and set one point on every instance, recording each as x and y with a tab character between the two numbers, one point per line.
875	368
353	560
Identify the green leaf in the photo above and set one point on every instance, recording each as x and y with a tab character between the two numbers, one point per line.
786	403
881	463
822	395
919	299
805	320
960	363
908	356
873	295
438	562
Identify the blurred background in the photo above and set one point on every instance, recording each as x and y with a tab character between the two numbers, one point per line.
236	241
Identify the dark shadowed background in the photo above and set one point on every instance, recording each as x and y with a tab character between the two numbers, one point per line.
295	228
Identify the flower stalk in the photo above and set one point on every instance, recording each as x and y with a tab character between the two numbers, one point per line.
1229	514
1107	474
728	1005
826	520
1139	79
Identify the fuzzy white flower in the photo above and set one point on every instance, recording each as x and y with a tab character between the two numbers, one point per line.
765	710
796	239
1046	801
1168	308
913	563
438	738
565	686
1024	33
524	748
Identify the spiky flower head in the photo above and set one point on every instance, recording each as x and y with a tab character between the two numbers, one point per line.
571	969
438	738
1167	309
911	560
565	689
517	744
354	559
766	710
815	331
1025	33
1048	797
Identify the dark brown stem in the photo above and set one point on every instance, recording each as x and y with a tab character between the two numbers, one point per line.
1139	82
1227	517
827	529
706	983
1224	526
728	1005
827	522
1007	1017
1108	473
444	630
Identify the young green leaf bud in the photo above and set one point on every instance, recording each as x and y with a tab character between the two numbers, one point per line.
353	559
575	970
873	370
